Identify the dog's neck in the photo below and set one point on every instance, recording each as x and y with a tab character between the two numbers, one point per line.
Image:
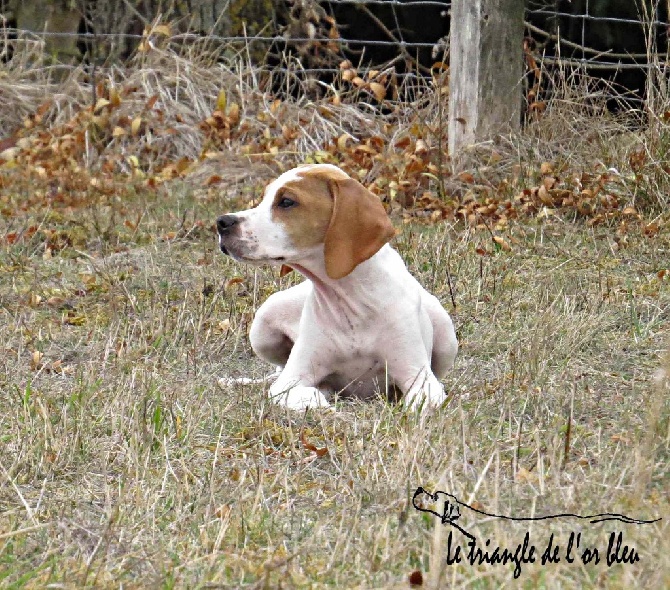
358	286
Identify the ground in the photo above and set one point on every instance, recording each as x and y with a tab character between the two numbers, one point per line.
124	464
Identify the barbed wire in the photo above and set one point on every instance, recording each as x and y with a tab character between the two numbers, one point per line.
398	2
225	38
601	60
283	39
603	19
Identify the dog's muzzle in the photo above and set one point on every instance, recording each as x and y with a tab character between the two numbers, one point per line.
224	226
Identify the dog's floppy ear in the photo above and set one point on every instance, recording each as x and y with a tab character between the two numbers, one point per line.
359	227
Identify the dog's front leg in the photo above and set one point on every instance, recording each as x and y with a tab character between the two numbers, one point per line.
295	388
423	390
416	380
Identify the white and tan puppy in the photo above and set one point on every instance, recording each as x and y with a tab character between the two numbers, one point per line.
360	322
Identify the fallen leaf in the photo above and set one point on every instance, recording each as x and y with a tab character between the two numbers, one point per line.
310	447
72	319
378	90
416	579
114	97
214	179
502	243
234	281
544	196
135	125
36	359
100	104
161	30
651	229
523	475
342	141
421	147
546	168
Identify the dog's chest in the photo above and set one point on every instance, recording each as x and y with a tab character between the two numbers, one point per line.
350	353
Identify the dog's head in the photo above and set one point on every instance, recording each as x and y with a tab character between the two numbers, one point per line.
309	211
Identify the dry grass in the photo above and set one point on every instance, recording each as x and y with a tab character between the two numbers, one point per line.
123	463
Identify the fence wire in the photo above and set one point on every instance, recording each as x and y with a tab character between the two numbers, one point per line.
565	52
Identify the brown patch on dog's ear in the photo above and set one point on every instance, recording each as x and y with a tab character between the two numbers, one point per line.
358	228
284	270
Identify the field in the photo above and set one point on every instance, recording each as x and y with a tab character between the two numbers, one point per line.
124	464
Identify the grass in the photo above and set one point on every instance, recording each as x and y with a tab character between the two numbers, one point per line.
124	464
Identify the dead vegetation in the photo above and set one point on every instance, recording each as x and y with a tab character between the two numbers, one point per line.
122	463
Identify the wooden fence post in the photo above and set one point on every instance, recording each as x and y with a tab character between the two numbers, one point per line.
485	70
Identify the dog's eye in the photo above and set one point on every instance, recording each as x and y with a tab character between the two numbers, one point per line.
286	203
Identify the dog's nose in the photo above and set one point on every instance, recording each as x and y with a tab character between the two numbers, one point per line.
225	222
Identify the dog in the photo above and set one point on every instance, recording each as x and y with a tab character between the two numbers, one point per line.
360	323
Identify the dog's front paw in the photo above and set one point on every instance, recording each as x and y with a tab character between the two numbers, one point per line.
300	398
430	394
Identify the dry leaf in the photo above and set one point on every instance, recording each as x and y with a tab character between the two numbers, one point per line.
502	243
348	75
161	30
421	147
403	142
544	196
234	114
72	319
415	579
342	141
114	97
548	182
378	90
651	229
310	447
100	104
213	179
523	475
546	168
36	359
135	125
234	281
